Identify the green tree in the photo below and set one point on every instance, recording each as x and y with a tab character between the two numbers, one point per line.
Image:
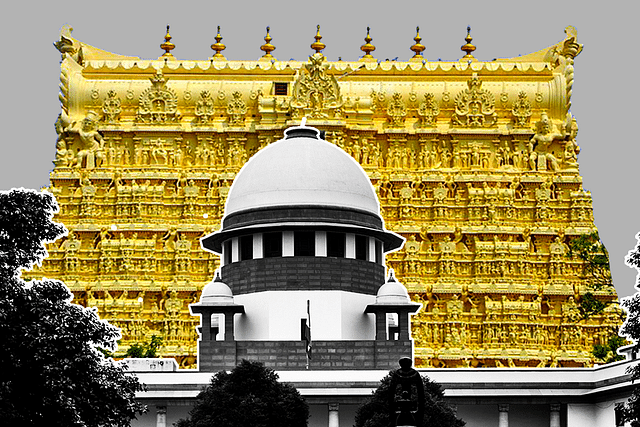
147	349
631	329
597	273
249	395
375	411
52	371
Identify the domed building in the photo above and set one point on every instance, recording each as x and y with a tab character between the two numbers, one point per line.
303	277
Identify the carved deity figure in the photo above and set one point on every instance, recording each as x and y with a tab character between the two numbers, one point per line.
428	110
236	109
396	110
540	156
408	410
111	108
475	107
91	149
204	108
521	110
315	93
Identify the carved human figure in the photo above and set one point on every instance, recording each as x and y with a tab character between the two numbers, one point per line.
540	156
90	153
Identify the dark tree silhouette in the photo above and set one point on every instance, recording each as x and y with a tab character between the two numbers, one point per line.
249	395
631	329
437	413
52	371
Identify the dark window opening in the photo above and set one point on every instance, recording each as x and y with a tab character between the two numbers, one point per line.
246	247
335	245
226	251
304	243
361	247
272	245
378	252
281	89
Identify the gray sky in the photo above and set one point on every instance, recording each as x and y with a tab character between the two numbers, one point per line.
605	91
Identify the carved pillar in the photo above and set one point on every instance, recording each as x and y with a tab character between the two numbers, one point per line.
334	415
229	334
554	418
503	417
161	416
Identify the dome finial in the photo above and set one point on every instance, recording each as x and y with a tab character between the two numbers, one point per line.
417	47
303	122
367	48
468	48
218	278
167	46
318	46
218	46
267	48
392	277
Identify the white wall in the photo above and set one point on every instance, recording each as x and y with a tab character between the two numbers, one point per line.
275	315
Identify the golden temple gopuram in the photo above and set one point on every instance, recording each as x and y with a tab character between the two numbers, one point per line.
475	164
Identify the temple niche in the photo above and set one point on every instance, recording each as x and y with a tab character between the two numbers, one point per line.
475	164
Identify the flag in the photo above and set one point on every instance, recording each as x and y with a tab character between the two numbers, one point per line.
305	332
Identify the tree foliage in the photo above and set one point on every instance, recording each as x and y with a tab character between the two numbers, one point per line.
147	349
437	413
249	395
592	252
52	373
631	329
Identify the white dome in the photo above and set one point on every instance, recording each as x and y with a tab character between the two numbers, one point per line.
302	170
392	292
216	292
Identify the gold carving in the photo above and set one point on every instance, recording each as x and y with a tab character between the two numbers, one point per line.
315	93
428	110
111	107
158	104
521	110
475	107
396	111
236	109
205	109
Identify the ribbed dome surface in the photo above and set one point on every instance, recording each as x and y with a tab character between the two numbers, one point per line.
216	292
301	170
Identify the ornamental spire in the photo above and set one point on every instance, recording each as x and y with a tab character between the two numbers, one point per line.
318	46
468	48
367	48
267	48
218	46
167	46
417	47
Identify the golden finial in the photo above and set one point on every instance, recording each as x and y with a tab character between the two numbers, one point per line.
218	46
267	48
417	48
468	48
167	46
318	46
367	48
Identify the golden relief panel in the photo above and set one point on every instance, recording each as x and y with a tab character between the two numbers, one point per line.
475	164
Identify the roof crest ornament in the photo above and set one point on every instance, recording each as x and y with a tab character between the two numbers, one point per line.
417	47
267	48
468	47
167	46
367	48
218	46
318	46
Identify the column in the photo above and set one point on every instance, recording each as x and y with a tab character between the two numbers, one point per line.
321	243
257	246
235	250
287	243
554	418
350	247
161	416
503	417
334	415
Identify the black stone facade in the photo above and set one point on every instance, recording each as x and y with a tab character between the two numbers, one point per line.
290	355
303	273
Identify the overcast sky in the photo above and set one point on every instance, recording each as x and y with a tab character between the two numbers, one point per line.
605	94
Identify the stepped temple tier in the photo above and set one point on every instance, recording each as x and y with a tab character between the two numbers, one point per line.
474	164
